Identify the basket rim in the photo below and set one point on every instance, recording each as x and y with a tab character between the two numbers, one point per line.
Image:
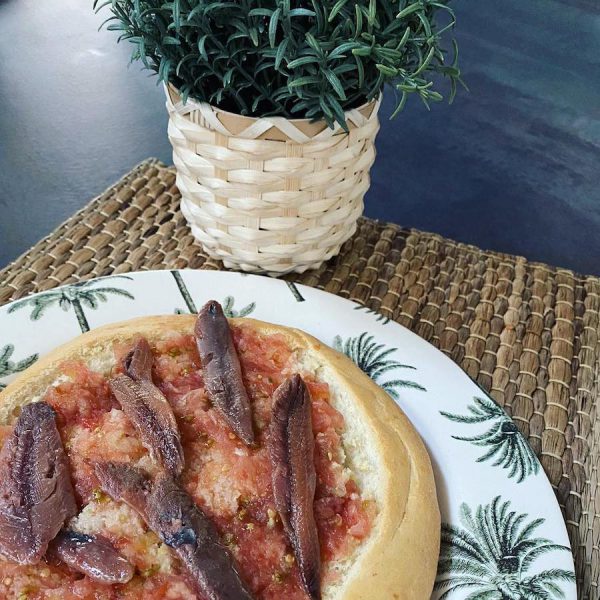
192	101
274	128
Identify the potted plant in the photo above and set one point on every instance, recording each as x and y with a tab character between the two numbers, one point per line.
273	111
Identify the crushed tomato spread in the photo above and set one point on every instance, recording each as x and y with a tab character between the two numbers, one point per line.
228	480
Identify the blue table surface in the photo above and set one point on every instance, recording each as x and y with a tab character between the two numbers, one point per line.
512	166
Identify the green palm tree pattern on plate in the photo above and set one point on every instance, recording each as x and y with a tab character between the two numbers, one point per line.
231	312
9	367
491	556
185	294
76	296
374	359
295	291
502	439
228	302
378	316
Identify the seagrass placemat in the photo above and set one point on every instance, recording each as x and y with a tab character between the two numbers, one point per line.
526	332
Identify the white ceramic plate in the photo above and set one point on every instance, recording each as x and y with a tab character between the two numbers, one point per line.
503	534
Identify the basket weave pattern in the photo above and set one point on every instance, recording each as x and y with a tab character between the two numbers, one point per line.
270	194
527	333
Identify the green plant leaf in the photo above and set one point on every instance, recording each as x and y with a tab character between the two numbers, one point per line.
337	7
280	53
236	54
409	10
301	12
167	39
260	12
302	81
336	84
341	50
273	26
304	60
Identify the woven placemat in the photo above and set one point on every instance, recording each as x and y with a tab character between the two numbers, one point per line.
525	332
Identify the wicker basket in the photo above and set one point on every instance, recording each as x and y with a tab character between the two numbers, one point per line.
270	194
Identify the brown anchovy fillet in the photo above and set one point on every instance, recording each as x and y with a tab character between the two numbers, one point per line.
171	513
222	371
138	361
125	483
93	556
291	448
36	495
148	409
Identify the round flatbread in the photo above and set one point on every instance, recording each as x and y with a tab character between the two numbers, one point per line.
376	505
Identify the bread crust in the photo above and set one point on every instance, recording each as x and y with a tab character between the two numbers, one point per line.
399	558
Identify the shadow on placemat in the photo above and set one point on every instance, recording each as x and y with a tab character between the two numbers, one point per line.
525	332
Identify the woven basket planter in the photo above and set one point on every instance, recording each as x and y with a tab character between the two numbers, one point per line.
271	194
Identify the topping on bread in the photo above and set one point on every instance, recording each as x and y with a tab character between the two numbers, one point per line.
137	363
291	447
91	555
222	371
172	515
301	479
36	496
148	409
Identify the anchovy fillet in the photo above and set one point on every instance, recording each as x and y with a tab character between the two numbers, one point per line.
36	495
93	556
148	409
172	514
291	448
222	371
